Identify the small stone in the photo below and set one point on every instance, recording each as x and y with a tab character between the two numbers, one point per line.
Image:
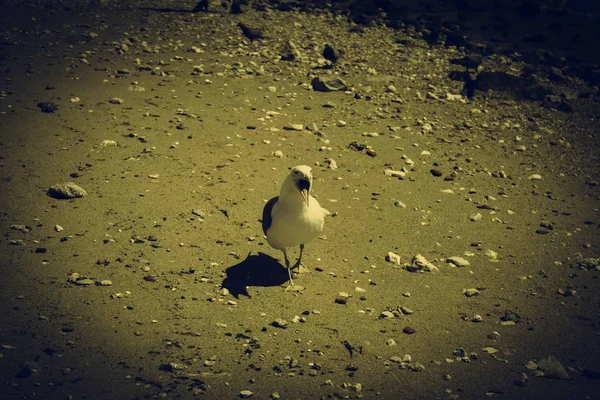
552	368
21	228
294	127
475	217
105	282
328	84
331	163
342	298
199	213
280	323
458	261
394	174
408	330
47	106
390	342
245	394
405	310
531	365
420	263
386	315
116	100
477	318
67	190
84	282
535	177
224	292
58	228
278	154
393	258
471	292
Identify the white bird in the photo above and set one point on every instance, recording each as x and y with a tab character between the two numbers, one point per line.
293	218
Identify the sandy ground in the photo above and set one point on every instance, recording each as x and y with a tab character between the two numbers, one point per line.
178	295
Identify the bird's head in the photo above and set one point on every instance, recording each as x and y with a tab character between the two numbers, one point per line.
299	181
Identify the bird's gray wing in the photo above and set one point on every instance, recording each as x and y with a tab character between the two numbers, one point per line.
267	218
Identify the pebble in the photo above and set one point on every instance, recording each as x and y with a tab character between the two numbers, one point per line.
535	177
58	228
390	342
408	330
491	254
47	106
20	228
328	84
552	368
386	315
67	190
393	258
405	310
331	164
394	174
477	318
244	394
294	127
471	292
419	263
475	217
458	261
105	282
342	298
531	365
279	323
278	154
116	100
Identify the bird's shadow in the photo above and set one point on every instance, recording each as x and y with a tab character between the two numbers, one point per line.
255	270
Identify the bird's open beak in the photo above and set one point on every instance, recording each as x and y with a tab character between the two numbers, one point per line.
304	187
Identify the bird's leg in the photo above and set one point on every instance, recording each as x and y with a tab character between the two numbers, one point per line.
301	268
291	287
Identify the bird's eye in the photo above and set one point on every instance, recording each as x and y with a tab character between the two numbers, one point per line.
295	172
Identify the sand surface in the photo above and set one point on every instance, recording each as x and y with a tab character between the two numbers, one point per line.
159	283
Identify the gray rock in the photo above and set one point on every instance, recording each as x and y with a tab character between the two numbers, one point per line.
552	368
67	190
458	261
588	263
419	263
386	315
558	102
280	323
290	52
328	84
537	92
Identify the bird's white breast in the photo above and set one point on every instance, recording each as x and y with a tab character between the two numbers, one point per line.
295	224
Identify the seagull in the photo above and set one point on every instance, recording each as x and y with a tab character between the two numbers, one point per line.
293	218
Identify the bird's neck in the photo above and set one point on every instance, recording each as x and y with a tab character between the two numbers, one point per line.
292	198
